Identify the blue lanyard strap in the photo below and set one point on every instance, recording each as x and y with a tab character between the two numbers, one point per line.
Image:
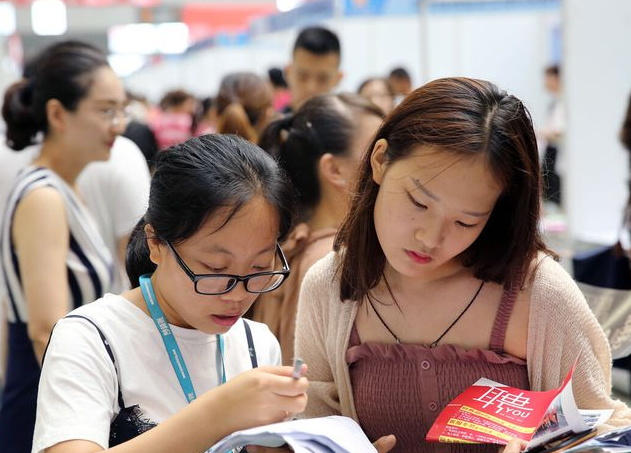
170	343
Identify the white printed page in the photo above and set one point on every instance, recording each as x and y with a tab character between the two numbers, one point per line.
315	435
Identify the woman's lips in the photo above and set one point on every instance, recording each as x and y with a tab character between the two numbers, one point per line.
418	258
225	321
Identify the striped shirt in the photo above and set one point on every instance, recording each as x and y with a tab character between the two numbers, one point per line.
89	263
90	274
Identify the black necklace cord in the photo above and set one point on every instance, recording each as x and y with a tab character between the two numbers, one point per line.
434	343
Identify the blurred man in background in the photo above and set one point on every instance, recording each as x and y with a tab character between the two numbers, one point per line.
315	66
552	135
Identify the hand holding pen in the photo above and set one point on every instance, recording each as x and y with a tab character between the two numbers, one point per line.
263	395
299	368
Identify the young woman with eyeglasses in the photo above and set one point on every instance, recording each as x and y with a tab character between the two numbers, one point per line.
53	258
168	365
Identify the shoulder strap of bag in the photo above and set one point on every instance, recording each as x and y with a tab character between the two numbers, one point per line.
251	349
121	403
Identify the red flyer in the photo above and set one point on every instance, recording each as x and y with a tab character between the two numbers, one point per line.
491	413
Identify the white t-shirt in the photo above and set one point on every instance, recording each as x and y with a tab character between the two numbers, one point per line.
78	388
116	192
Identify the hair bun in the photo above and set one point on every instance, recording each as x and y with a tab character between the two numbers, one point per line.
16	111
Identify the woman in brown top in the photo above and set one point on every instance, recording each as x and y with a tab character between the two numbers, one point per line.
320	147
440	276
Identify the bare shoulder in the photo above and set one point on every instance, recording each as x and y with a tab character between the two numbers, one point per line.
40	203
41	211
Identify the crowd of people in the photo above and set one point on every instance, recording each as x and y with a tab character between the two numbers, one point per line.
163	266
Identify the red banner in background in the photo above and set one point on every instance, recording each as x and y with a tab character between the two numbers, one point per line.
204	20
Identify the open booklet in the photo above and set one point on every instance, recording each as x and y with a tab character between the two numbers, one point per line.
490	412
617	441
334	434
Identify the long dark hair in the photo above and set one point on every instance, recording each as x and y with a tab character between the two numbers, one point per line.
625	139
63	72
465	117
323	124
242	102
196	178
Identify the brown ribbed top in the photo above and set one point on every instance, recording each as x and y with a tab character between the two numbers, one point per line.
401	388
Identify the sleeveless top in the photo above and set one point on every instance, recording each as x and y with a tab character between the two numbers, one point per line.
400	389
90	274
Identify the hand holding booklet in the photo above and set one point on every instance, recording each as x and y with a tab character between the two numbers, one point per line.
490	412
334	434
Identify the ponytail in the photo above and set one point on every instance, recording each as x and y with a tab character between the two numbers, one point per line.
234	120
275	135
137	260
22	127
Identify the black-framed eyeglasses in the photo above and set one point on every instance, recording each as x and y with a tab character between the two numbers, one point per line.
216	284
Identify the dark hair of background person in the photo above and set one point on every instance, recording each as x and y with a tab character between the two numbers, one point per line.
374	79
277	77
625	131
195	179
554	70
318	40
63	71
174	98
242	101
400	73
140	133
465	117
206	104
625	139
323	124
145	140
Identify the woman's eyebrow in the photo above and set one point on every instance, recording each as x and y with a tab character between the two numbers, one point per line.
431	195
225	251
424	189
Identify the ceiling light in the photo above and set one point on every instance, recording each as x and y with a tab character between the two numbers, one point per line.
7	19
287	5
48	17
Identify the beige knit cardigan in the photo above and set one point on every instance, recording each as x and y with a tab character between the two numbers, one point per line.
561	326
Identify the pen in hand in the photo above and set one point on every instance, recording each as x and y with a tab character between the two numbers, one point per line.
296	374
298	362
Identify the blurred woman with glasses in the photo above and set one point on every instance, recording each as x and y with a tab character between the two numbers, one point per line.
206	248
53	257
